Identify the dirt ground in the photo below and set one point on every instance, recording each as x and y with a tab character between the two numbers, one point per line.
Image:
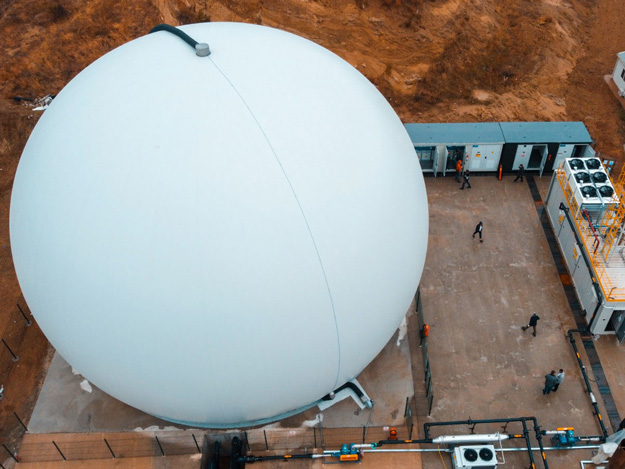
434	60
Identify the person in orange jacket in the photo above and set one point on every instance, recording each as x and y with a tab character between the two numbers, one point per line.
458	170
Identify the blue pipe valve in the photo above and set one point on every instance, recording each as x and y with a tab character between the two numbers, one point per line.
566	438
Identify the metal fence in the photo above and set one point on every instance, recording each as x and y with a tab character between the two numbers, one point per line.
60	447
423	343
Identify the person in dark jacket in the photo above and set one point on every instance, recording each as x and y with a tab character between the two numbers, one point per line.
478	230
550	382
466	180
519	174
533	321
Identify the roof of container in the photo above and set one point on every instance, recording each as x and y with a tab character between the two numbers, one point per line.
498	133
461	133
621	55
545	132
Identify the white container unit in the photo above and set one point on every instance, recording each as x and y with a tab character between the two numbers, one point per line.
618	74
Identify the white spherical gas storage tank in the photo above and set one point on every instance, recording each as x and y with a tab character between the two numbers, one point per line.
221	240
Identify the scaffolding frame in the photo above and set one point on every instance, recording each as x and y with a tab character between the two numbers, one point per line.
597	244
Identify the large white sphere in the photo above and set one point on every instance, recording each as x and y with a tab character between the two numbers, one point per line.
219	240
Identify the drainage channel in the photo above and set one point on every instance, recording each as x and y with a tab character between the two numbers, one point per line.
569	289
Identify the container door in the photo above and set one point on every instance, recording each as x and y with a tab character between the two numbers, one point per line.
491	155
436	157
538	156
425	155
618	323
544	160
589	152
564	151
522	156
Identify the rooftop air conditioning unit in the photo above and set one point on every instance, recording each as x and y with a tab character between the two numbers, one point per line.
475	457
586	195
572	165
607	194
593	163
599	177
582	177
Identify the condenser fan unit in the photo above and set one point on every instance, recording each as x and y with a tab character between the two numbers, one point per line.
606	191
486	454
582	177
593	163
470	454
475	457
576	163
599	177
589	191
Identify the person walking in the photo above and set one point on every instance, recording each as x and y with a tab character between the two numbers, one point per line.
519	174
550	382
478	230
533	321
458	170
559	378
466	180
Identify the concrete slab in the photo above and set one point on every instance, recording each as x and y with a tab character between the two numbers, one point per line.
476	297
69	404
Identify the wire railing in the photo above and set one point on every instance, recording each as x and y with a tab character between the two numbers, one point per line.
86	446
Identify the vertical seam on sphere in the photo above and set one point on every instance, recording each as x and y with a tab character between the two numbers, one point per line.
325	278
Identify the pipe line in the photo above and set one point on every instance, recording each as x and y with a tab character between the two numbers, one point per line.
201	48
471	422
447	450
351	386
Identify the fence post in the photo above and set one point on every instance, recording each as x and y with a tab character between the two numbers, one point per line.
20	420
10	453
28	321
266	444
159	445
196	445
247	442
109	447
59	450
15	357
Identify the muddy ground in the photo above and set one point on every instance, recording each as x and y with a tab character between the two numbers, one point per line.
434	60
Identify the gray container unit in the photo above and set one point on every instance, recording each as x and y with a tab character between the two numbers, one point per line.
438	146
542	146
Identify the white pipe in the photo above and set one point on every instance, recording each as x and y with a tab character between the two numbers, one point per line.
365	445
581	463
455	439
447	450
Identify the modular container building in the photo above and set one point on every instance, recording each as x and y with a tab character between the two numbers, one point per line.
483	147
439	146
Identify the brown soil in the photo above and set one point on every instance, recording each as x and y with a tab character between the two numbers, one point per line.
434	60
